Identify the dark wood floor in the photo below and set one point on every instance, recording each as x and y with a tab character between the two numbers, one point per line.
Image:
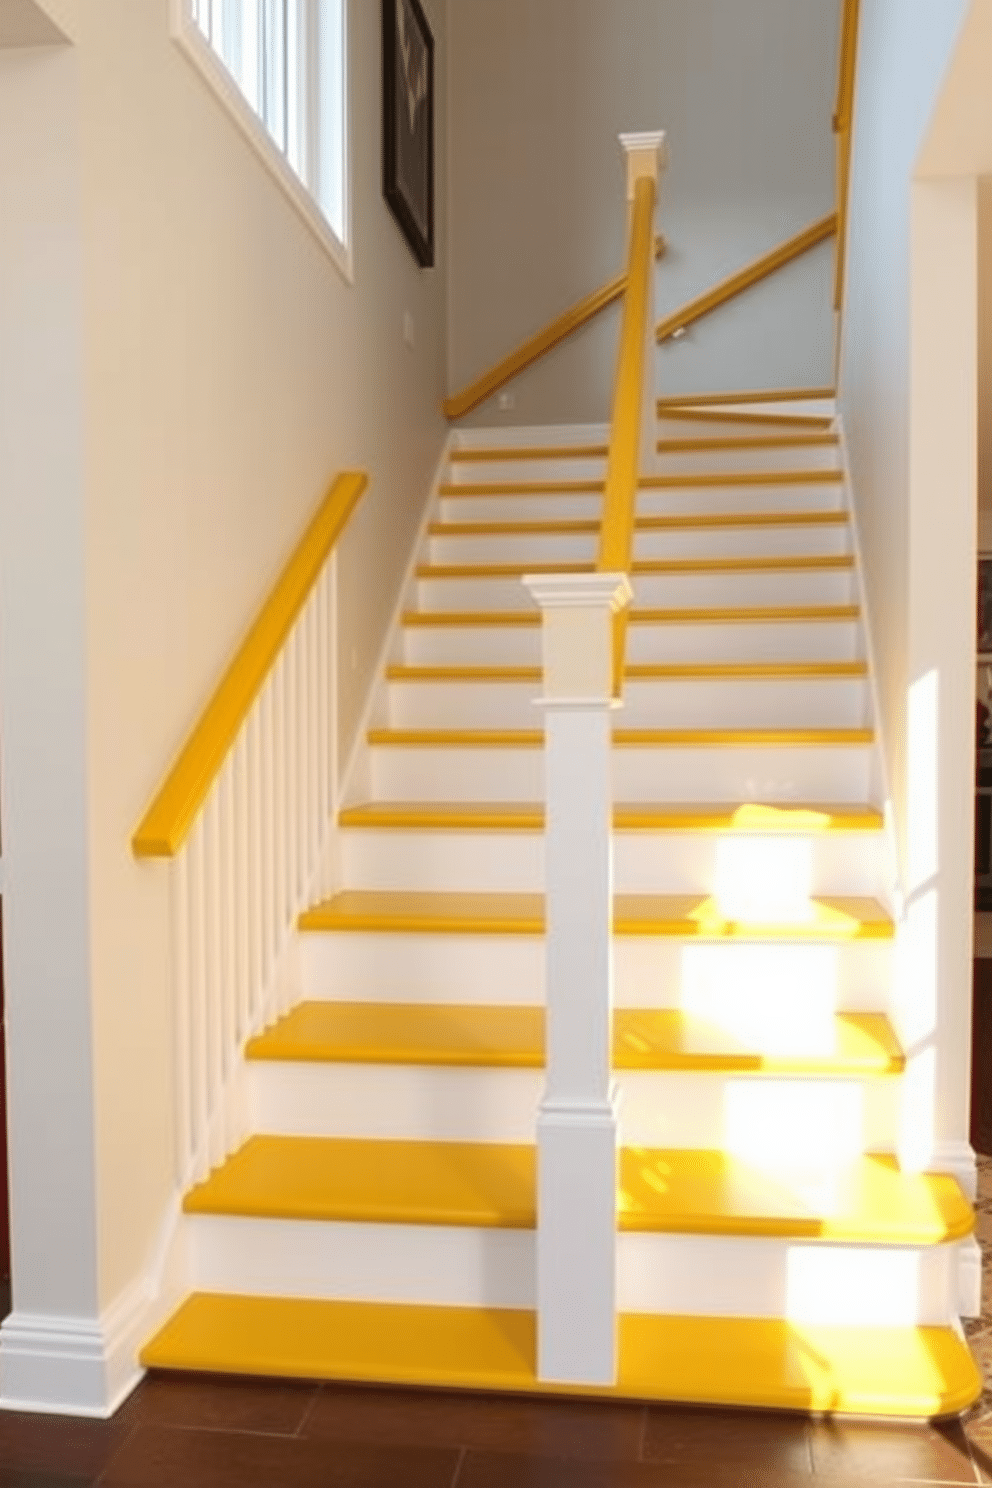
185	1433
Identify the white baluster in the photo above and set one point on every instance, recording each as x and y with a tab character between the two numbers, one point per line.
269	846
323	698
256	871
314	817
229	926
179	895
213	978
199	1040
291	757
241	809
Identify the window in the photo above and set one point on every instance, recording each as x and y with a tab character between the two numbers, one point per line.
286	59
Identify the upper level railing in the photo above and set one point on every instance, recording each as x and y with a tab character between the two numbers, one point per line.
537	346
843	128
579	315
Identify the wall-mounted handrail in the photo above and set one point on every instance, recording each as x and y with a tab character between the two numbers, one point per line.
624	457
747	277
167	822
843	125
537	346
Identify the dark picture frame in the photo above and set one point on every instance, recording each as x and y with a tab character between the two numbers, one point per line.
408	123
985	604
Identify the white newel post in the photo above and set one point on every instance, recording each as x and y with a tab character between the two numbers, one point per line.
577	1122
647	155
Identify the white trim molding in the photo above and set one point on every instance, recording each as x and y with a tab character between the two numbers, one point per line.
74	1366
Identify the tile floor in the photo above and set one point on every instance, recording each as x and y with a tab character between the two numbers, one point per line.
188	1433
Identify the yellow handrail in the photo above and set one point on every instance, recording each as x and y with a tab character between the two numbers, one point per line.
537	346
843	123
170	817
762	395
745	278
623	461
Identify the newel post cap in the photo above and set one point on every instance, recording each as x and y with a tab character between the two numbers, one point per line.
647	155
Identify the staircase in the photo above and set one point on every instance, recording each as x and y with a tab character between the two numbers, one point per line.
380	1223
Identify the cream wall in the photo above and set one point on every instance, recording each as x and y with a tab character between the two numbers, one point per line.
223	372
539	92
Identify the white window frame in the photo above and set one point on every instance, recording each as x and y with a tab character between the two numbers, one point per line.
324	72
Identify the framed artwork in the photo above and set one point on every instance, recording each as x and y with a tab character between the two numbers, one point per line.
408	123
985	604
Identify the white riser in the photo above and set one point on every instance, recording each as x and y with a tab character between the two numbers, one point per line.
515	472
668	1109
648	972
745	773
643	862
458	1265
668	462
796	457
657	591
743	542
537	548
680	500
688	500
696	542
573	506
462	1266
728	1276
701	641
823	702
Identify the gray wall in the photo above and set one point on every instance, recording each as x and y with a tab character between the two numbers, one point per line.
539	90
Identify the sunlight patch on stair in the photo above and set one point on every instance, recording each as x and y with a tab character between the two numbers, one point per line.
774	998
764	879
857	1288
782	1123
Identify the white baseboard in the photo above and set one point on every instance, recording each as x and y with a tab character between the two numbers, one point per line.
73	1366
970	1278
958	1159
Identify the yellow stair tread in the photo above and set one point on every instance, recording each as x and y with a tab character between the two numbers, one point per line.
703	816
797	563
829	918
910	1372
493	1185
694	478
804	477
511	1036
695	615
711	671
585	526
484	1184
645	738
868	1201
743	442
